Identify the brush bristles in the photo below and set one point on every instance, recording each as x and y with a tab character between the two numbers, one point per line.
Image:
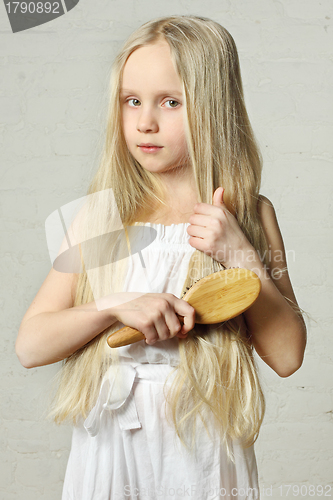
196	281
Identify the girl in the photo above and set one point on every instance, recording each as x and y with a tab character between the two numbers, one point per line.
175	415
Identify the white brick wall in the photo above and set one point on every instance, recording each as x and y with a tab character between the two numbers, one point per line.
52	103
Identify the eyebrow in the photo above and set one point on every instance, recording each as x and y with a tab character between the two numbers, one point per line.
162	92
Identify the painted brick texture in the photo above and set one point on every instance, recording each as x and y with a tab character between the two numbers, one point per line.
53	100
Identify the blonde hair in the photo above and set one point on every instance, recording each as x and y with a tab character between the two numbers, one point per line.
216	375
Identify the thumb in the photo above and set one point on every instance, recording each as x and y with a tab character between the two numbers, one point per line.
218	197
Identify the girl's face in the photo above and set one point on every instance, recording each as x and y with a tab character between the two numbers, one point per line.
152	109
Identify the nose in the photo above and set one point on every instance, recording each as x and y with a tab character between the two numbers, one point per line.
147	120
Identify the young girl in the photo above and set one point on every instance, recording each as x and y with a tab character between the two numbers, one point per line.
175	415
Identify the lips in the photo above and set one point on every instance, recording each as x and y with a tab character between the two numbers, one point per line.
149	148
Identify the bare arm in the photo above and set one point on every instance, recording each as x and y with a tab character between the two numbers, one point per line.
52	328
278	333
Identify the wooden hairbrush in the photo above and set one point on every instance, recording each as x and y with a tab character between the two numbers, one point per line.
217	297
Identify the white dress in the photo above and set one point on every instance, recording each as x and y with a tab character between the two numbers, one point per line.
126	449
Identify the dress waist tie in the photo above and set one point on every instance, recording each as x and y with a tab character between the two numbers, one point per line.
116	393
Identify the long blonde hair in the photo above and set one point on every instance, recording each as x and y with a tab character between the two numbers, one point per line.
216	376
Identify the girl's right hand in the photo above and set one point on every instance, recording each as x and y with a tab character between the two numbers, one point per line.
155	315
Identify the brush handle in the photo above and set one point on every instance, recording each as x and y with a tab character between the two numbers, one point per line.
128	335
216	298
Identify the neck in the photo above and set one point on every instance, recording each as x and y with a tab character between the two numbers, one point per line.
180	197
179	184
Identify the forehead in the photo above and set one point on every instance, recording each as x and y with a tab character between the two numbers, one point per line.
151	67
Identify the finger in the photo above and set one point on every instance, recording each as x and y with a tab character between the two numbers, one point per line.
222	200
218	196
188	325
198	231
199	219
200	244
207	209
182	335
203	208
188	312
166	325
173	324
225	202
151	330
151	336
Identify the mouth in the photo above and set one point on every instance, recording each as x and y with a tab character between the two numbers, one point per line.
149	148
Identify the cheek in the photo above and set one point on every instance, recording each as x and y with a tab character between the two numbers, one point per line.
178	133
181	141
127	131
127	121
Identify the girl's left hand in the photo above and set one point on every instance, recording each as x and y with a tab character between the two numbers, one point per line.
215	231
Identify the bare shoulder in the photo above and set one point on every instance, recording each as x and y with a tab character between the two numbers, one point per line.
265	209
276	251
269	223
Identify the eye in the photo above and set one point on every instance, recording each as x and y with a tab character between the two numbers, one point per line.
136	100
173	101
